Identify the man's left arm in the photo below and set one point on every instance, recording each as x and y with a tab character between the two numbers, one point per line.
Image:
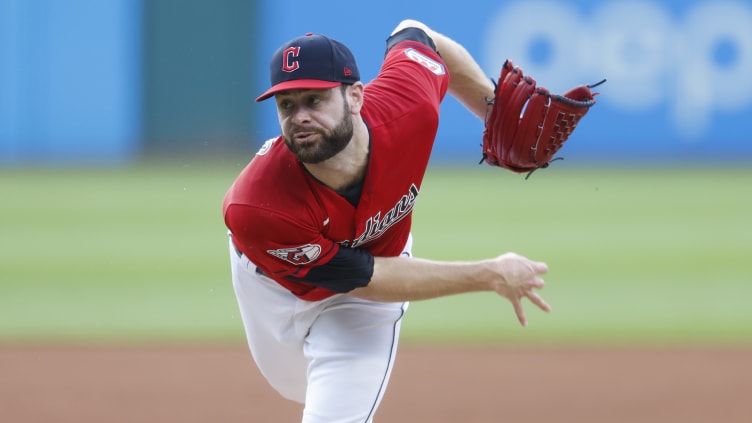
468	83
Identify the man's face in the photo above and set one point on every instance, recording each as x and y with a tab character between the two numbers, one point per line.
316	124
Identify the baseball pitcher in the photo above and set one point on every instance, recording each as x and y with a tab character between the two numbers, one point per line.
319	220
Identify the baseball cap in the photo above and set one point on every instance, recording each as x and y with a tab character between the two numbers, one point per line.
312	61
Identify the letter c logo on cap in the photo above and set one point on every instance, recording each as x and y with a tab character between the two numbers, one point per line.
288	62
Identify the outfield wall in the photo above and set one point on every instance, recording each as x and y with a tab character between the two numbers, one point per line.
69	80
88	81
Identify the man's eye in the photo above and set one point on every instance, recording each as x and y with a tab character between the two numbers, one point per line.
314	101
285	105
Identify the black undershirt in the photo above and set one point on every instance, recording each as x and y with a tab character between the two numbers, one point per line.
352	193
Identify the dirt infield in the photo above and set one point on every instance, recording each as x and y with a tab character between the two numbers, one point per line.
438	385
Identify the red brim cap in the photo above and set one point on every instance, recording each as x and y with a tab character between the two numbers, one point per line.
298	84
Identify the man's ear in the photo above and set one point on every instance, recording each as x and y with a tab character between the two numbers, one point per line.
354	94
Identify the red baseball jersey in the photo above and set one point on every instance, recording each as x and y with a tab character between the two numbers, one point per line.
287	222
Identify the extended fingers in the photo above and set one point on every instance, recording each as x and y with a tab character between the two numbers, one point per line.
535	282
537	300
539	267
534	298
525	276
519	311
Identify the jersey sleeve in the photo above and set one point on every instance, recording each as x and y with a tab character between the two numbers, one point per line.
278	244
289	251
413	78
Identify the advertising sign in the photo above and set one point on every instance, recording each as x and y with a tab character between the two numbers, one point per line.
679	71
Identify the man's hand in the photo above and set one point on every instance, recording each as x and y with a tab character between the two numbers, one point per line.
518	276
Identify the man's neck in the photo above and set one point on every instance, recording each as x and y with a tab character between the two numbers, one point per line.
349	166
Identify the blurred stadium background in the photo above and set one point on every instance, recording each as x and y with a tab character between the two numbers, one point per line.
123	122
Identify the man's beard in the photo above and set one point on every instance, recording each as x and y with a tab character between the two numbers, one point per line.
329	145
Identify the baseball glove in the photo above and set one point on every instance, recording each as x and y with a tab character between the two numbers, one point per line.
526	141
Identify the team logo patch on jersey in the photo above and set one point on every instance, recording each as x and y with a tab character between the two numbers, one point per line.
299	255
430	64
266	147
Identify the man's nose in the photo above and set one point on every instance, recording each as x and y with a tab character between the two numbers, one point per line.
301	115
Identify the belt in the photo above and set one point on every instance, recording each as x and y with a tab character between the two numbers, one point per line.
237	251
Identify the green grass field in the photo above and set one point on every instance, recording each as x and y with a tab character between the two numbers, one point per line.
139	254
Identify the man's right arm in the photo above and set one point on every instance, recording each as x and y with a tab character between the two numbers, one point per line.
410	279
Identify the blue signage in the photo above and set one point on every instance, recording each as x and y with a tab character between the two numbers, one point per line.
679	72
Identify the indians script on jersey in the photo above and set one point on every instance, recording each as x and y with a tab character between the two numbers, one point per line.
376	226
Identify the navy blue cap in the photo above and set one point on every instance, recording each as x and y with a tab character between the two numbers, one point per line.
312	61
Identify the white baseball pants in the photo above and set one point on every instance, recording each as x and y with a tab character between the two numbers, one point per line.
335	355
